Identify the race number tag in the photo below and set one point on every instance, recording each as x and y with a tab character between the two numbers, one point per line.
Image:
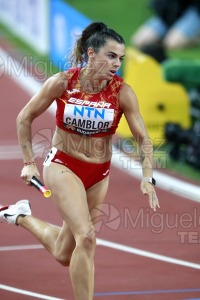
88	120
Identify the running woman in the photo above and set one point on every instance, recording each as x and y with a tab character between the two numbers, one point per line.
91	99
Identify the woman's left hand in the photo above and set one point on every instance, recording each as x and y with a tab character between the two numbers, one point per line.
148	189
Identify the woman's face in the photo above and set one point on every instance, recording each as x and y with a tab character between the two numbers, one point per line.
105	63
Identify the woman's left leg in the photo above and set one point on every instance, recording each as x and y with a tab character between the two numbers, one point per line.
73	204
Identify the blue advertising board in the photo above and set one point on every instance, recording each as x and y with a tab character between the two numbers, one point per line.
65	24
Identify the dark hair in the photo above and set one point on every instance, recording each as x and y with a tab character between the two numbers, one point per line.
94	35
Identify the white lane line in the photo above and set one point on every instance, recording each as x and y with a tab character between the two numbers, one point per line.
14	152
14	70
8	152
27	293
21	247
148	254
120	247
165	182
128	165
28	83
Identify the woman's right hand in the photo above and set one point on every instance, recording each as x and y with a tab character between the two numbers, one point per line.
28	172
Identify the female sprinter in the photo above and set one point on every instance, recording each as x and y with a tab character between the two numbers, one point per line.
90	100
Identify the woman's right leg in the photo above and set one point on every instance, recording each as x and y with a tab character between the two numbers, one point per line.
49	236
75	241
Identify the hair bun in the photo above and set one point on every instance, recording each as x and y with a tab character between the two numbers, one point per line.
92	28
102	27
98	26
95	35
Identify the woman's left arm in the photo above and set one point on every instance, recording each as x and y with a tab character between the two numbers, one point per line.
130	107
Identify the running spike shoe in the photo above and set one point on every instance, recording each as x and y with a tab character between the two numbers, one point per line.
12	212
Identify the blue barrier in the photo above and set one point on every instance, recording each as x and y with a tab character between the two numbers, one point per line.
65	24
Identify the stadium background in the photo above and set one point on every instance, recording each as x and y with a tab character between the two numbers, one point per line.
125	17
140	255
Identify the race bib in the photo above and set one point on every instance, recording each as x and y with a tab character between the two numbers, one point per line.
87	120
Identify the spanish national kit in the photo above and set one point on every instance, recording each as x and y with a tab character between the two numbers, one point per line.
92	114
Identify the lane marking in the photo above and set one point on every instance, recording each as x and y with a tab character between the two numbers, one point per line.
148	254
21	247
150	292
119	159
120	247
8	152
165	182
147	292
27	293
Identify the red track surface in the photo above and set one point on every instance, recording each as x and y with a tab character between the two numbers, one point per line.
133	225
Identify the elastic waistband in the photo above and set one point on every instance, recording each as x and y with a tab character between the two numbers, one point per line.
60	153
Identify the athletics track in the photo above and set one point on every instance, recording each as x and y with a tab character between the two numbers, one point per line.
140	254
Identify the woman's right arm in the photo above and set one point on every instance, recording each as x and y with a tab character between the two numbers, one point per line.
52	88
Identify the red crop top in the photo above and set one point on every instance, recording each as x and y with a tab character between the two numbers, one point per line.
82	113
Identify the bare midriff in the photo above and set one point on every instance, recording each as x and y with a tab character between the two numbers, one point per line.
85	148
